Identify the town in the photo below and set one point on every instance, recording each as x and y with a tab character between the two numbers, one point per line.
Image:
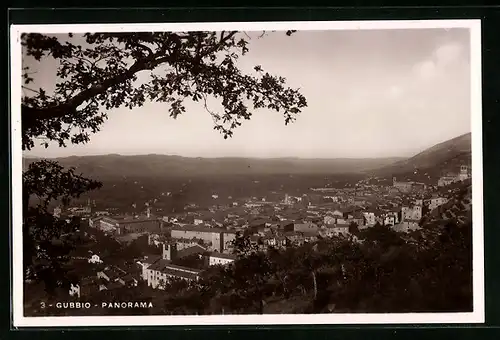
183	245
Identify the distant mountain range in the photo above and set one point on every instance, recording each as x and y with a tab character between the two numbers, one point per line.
437	158
105	166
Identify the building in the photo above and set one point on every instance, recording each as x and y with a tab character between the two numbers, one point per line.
95	259
402	186
139	225
406	226
275	241
146	263
446	180
214	238
329	219
57	212
220	259
162	270
120	226
305	227
450	178
464	173
411	213
436	201
335	230
390	219
370	217
171	252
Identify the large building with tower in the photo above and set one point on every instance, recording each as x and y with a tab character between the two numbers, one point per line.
450	179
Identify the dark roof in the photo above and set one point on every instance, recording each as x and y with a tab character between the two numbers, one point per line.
309	233
138	220
202	229
179	273
196	249
358	214
161	265
151	258
333	226
223	256
158	265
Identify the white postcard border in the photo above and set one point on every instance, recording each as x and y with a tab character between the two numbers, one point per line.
478	314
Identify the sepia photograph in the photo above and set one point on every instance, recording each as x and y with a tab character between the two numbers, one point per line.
247	173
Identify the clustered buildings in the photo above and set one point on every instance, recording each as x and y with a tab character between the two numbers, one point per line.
209	234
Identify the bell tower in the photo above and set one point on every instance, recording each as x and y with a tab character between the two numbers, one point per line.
464	173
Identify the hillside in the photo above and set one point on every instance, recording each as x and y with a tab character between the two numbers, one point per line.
434	161
161	166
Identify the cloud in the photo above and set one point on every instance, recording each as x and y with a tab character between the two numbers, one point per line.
442	58
426	69
448	54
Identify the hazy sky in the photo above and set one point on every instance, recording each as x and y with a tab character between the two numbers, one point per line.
370	93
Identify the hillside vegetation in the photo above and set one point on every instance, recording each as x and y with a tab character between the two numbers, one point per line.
435	161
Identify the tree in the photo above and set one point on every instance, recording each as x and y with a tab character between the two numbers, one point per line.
99	71
353	228
44	251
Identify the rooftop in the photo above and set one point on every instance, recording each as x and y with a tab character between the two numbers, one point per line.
223	256
196	249
202	229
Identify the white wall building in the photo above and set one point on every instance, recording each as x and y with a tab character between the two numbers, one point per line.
95	259
220	259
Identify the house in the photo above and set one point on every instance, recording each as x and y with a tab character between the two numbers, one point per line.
275	241
370	217
95	259
389	219
357	218
215	258
112	274
437	201
338	230
329	219
412	212
337	213
305	227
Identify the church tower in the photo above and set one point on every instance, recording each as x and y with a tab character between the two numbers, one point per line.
464	173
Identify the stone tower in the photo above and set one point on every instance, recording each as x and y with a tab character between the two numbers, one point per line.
169	251
464	173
